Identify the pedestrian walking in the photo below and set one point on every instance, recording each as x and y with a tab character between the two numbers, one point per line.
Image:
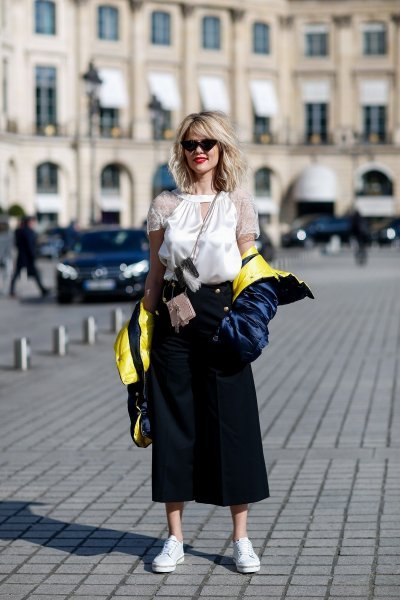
208	298
25	242
361	235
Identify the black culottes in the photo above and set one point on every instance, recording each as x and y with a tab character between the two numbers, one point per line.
203	409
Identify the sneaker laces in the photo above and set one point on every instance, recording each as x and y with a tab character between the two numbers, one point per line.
169	546
245	547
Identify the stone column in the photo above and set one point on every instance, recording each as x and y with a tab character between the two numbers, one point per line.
345	120
285	90
141	126
188	84
396	80
239	85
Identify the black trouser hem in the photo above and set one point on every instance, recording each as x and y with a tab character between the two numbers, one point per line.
214	501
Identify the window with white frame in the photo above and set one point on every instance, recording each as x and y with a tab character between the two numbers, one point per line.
109	122
45	17
374	124
374	39
262	182
316	40
110	179
161	28
211	33
261	38
108	23
46	99
316	117
47	178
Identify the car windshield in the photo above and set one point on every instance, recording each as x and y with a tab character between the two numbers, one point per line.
122	240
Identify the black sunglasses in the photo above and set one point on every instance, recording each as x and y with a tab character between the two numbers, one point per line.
205	145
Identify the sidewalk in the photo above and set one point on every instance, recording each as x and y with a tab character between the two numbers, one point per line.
76	516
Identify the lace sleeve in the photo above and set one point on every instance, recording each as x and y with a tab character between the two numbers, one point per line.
160	209
247	228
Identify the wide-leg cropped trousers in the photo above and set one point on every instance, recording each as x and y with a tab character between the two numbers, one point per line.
203	409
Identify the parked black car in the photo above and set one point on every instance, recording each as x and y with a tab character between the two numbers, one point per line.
388	233
310	230
106	262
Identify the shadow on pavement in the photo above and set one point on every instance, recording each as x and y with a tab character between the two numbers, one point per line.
18	522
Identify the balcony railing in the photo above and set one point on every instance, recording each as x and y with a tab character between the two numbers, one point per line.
115	132
317	139
49	129
374	138
264	138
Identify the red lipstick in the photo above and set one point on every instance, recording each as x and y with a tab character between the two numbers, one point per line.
200	159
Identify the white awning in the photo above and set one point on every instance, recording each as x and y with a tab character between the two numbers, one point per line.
374	92
213	93
316	28
375	206
110	203
164	87
373	27
316	183
315	91
113	90
265	205
264	97
48	203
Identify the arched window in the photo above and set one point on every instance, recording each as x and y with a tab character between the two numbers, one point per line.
261	38
262	182
160	28
162	180
374	183
110	180
45	17
211	33
47	178
108	23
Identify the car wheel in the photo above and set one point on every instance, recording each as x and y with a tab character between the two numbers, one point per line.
64	298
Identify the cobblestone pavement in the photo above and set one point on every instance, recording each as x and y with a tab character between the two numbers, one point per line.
76	516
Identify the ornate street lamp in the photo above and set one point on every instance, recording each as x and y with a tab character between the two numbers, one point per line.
92	84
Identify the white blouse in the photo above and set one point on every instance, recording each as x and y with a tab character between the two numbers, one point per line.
217	257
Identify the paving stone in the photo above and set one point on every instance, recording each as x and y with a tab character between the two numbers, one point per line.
77	520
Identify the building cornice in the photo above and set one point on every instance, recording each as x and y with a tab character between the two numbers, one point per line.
342	20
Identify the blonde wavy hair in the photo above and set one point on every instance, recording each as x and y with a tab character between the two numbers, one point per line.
231	167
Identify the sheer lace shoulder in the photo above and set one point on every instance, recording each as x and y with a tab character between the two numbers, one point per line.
247	228
160	209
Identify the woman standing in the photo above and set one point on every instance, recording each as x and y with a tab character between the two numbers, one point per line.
203	408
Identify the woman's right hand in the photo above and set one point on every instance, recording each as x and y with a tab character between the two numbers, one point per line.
155	277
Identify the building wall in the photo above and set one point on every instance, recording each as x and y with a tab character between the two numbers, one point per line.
76	43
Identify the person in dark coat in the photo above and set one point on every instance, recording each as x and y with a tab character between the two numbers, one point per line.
360	232
71	236
25	242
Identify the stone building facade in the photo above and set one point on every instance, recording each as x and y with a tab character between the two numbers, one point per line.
313	88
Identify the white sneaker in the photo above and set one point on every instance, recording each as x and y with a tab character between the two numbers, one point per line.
245	558
171	555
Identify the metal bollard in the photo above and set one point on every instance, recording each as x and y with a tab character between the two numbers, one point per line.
117	318
22	354
60	341
89	331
